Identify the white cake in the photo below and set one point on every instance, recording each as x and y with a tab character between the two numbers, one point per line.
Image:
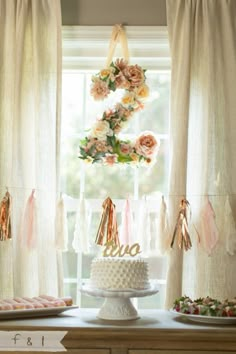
119	273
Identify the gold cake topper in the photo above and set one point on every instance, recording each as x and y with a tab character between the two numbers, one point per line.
113	250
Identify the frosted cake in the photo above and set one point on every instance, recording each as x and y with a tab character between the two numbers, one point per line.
119	273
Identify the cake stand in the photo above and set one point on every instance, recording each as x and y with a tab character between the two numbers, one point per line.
117	304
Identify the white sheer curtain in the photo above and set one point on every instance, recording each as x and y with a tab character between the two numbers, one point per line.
30	84
203	143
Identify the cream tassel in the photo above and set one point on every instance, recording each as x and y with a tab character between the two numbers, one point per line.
163	230
28	236
81	233
61	230
229	229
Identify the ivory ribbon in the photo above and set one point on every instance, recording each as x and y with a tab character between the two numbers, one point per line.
118	35
108	230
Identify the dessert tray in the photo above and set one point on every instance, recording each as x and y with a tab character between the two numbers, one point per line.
117	304
30	313
205	319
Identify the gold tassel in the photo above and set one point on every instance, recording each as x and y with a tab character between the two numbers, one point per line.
181	231
108	229
5	217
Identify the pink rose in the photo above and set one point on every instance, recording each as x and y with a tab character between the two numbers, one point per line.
125	149
99	90
121	64
135	75
101	146
110	159
146	144
121	81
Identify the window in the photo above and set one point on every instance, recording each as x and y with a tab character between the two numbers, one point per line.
84	53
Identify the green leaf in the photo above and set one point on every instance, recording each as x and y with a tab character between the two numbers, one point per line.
112	85
111	140
83	153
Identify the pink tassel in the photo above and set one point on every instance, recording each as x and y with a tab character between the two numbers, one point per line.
126	224
209	231
28	232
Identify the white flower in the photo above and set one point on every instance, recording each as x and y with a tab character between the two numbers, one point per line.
100	130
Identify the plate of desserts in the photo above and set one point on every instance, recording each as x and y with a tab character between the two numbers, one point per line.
41	306
206	310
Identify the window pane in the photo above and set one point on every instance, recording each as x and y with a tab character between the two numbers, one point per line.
155	179
97	182
103	181
155	116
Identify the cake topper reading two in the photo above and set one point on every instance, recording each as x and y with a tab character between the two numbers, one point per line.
102	144
107	234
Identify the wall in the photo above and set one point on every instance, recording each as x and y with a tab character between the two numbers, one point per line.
110	12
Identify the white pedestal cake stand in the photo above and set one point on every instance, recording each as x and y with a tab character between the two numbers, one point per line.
117	304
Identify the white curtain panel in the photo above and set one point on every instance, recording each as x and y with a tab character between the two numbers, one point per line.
202	38
30	86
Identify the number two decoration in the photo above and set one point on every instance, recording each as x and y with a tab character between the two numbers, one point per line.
102	144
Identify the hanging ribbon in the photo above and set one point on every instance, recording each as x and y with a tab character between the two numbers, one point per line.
28	228
118	35
208	228
108	230
181	231
126	229
82	226
61	236
5	218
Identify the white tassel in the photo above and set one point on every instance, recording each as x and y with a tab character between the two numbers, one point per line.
140	222
81	233
143	227
126	228
61	237
163	230
28	234
229	229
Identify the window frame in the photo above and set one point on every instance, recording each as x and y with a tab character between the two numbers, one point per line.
86	48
